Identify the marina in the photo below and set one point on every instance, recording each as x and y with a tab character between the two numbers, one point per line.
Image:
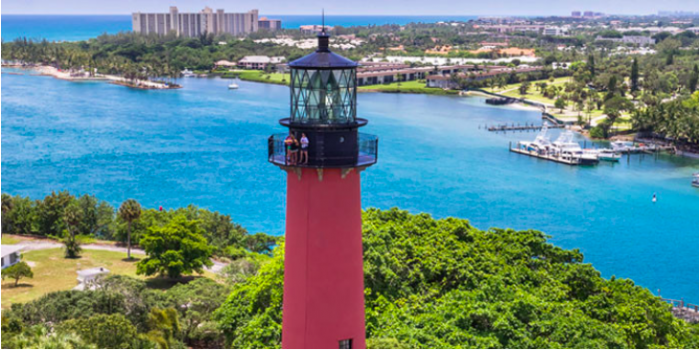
563	150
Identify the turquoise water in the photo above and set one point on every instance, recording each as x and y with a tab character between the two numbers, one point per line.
206	145
83	27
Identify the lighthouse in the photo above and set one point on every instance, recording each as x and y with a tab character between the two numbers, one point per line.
323	279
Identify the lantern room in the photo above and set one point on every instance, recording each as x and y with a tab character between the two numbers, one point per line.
323	109
323	87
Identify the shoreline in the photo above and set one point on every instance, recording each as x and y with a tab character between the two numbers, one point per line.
517	105
84	77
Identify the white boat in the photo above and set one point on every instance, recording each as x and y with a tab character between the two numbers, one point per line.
187	73
695	180
232	86
566	148
541	144
608	155
622	146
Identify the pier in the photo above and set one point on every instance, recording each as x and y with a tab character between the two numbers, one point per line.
685	311
546	156
518	127
651	149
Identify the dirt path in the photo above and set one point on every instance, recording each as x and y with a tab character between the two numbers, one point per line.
30	245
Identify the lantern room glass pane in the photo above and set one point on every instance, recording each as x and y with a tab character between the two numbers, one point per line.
323	96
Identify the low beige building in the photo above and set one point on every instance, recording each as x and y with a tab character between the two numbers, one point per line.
259	62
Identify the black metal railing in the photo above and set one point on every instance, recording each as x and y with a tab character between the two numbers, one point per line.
365	155
367	145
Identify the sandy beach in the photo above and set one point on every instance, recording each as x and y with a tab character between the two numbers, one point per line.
85	76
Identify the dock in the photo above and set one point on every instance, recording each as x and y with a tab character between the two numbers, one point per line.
501	101
644	149
518	127
545	156
685	311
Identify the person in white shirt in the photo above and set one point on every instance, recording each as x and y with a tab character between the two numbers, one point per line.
304	157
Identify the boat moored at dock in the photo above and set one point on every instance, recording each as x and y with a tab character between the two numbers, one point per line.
187	73
566	147
608	155
637	147
563	150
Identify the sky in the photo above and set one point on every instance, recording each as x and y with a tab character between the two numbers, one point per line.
355	7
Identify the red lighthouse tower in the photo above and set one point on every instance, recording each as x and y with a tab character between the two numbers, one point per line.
323	280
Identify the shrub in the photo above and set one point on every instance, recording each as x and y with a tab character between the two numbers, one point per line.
17	271
71	247
107	332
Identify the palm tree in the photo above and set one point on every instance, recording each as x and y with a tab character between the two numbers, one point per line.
72	215
129	211
502	83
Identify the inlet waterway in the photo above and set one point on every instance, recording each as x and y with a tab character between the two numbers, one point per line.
207	145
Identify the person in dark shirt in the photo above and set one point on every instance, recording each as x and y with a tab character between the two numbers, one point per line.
288	147
294	150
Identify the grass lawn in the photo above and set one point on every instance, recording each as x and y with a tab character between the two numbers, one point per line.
259	76
622	123
573	115
409	87
53	272
10	240
533	84
512	90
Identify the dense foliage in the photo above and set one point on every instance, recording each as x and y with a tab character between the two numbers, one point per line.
677	119
175	249
122	313
443	284
141	56
428	284
92	217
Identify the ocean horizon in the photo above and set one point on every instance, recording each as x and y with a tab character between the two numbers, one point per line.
83	27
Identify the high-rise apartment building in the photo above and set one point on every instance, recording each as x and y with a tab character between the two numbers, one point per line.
269	24
195	23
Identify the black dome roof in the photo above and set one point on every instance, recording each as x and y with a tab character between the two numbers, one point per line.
323	57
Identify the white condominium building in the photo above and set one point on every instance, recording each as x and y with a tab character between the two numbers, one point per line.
195	24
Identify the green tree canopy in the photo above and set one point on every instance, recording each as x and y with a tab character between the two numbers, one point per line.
445	284
615	106
17	271
175	249
198	300
106	332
